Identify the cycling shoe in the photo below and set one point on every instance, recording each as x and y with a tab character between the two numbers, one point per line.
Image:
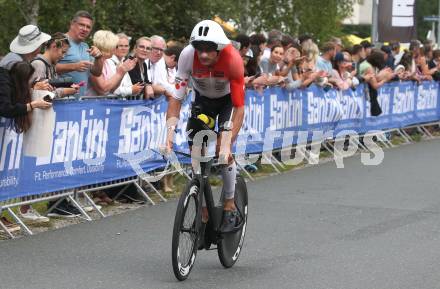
231	221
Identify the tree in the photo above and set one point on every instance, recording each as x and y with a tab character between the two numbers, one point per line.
425	8
176	18
321	18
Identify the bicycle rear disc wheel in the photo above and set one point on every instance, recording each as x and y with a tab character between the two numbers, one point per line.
185	231
230	245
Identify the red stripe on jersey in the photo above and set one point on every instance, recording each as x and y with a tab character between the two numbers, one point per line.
228	66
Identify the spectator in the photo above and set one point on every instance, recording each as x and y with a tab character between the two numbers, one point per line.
44	64
112	75
305	39
252	67
344	72
307	70
395	50
171	56
80	61
338	44
271	66
139	74
258	40
358	53
428	52
367	46
311	54
158	69
292	58
274	39
253	75
21	74
14	100
324	61
111	66
23	48
389	58
357	56
244	41
406	69
287	41
374	73
435	63
420	63
173	43
428	48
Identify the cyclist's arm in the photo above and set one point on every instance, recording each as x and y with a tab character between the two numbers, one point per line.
184	69
237	93
175	102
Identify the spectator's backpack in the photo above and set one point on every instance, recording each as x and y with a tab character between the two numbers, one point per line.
50	69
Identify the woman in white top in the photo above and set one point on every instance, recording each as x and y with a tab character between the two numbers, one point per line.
125	88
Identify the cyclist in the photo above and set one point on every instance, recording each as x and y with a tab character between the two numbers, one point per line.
217	74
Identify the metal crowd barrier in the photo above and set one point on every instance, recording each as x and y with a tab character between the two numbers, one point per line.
73	195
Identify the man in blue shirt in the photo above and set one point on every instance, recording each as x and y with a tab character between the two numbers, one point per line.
80	60
324	61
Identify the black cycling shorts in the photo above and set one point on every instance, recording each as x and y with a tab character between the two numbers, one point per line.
219	109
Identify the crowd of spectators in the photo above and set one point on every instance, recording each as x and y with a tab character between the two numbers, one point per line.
283	60
37	61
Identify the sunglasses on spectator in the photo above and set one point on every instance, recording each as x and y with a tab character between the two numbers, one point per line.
157	49
59	42
143	47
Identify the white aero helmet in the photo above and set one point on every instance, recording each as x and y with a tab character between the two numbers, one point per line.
209	31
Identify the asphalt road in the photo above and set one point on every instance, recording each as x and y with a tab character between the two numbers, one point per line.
316	228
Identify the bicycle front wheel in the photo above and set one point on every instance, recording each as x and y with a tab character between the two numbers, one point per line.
230	245
185	231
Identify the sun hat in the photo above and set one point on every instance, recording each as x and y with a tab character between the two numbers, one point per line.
29	38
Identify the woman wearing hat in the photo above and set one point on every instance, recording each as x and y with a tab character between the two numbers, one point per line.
15	92
23	48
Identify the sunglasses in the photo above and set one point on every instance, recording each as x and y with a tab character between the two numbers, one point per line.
157	49
143	47
203	46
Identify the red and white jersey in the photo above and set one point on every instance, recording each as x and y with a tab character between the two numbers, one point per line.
225	77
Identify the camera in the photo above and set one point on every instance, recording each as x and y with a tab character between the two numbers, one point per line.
61	82
48	98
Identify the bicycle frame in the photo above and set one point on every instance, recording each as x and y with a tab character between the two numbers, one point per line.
215	213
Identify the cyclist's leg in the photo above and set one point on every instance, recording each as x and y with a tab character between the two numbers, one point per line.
229	172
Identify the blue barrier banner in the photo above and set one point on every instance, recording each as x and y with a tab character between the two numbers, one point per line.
97	141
